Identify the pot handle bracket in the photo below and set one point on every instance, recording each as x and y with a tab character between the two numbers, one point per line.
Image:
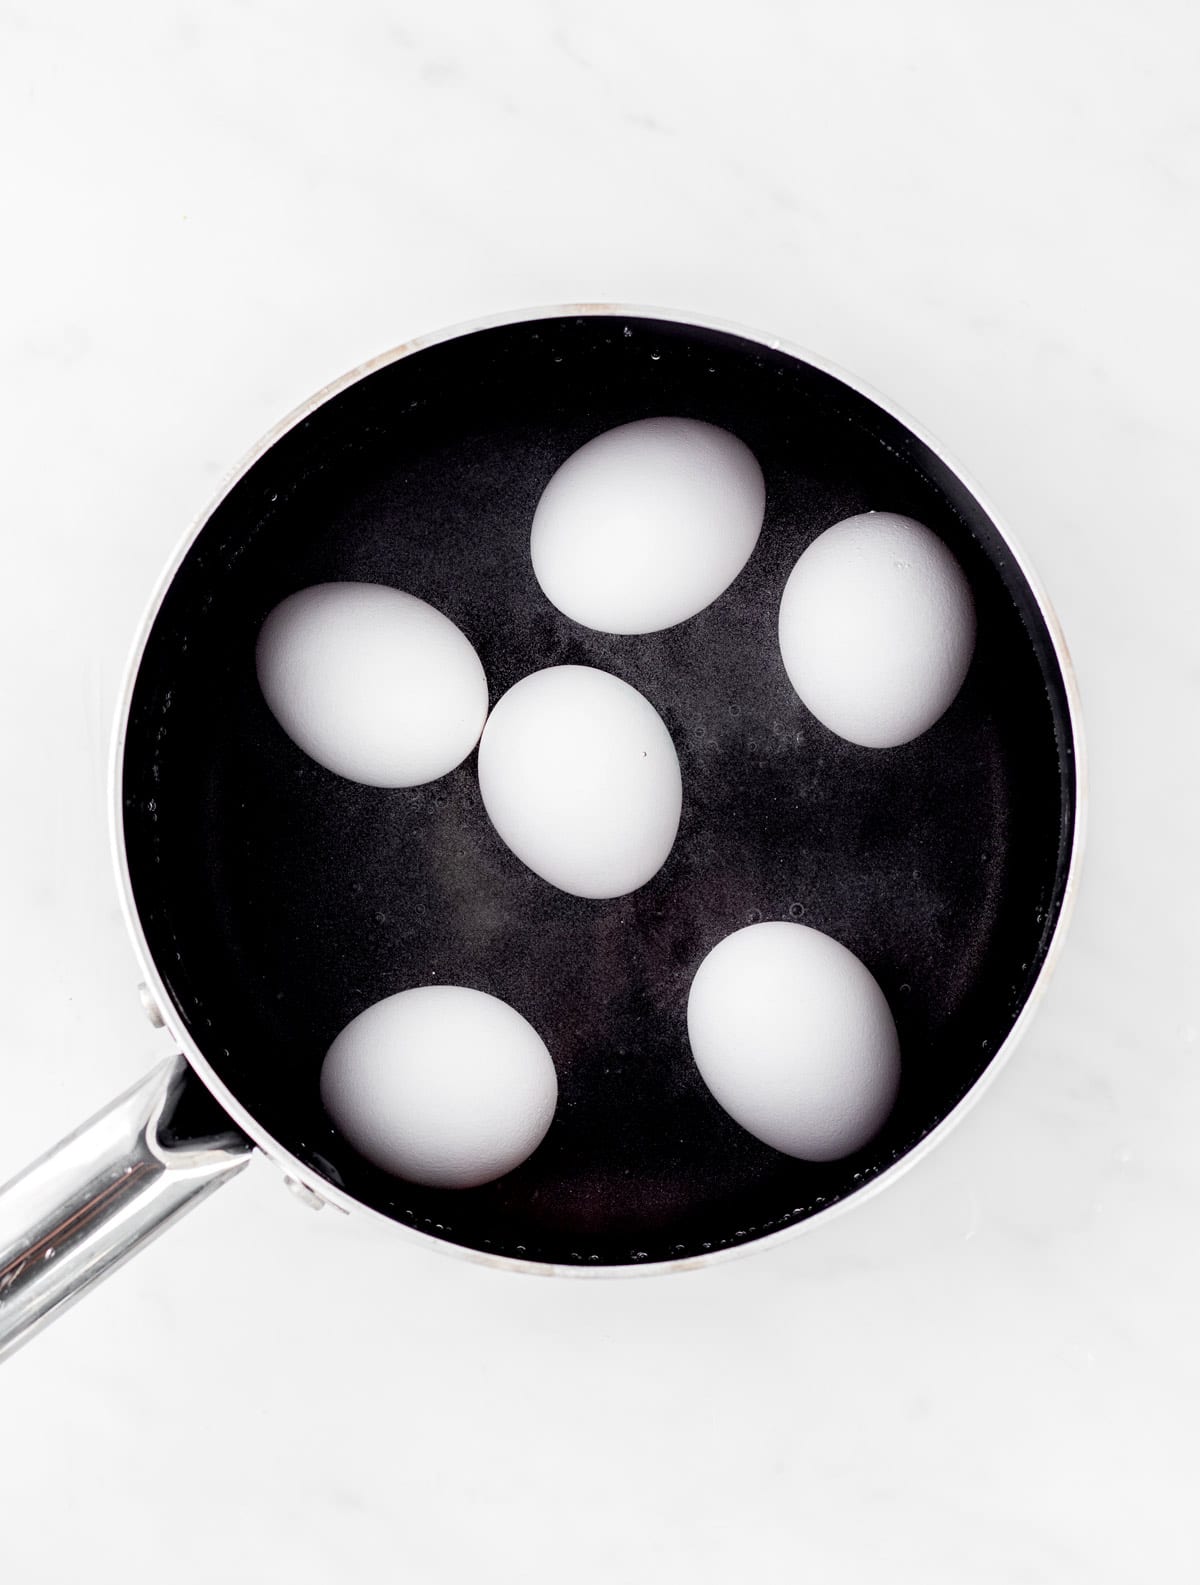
84	1207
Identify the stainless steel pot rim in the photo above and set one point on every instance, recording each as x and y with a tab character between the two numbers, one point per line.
301	1174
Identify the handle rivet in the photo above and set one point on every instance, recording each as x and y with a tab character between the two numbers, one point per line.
150	1006
304	1194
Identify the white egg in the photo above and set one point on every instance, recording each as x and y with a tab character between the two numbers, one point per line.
580	778
372	683
441	1085
877	628
647	524
795	1039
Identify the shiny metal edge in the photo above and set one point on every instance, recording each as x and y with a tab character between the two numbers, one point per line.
329	1192
94	1199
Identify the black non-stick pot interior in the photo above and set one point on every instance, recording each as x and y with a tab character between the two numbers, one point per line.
279	900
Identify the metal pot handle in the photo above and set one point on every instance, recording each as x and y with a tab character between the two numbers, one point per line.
111	1186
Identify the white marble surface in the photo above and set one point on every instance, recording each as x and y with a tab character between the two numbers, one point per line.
988	1374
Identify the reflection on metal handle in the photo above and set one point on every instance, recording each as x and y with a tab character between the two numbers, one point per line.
96	1198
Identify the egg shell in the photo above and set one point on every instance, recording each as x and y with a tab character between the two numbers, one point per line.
580	778
441	1085
372	683
794	1038
647	524
877	628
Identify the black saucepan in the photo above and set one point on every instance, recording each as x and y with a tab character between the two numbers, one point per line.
271	900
